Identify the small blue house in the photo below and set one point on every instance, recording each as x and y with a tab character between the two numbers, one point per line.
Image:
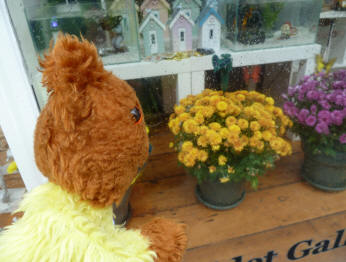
152	30
209	23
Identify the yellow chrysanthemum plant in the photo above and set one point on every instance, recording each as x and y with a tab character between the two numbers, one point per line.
229	136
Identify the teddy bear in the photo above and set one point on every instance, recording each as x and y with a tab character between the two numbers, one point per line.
90	141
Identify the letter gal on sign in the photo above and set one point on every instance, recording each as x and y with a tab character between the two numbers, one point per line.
307	247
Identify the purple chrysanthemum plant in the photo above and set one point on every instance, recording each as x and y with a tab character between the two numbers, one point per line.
317	108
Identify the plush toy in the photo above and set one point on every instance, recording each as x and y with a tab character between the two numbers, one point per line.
90	140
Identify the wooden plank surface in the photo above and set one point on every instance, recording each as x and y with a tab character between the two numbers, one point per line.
260	211
279	240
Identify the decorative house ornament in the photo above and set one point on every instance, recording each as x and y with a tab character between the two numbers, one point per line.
153	30
159	8
181	27
191	7
212	4
209	23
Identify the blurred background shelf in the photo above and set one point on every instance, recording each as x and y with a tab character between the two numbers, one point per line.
332	14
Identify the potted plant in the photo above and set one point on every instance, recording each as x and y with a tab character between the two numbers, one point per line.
225	139
317	107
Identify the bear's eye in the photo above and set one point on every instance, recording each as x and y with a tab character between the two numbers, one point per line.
136	115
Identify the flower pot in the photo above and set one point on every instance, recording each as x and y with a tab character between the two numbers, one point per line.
122	213
325	172
220	196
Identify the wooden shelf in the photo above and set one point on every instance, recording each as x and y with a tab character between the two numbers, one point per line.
332	14
196	64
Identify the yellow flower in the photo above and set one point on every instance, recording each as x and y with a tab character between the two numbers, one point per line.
234	129
171	145
203	130
184	116
224	179
267	135
213	137
215	148
258	135
203	155
221	106
230	120
215	126
212	169
241	97
244	140
282	130
181	156
179	109
222	114
222	160
270	100
208	111
187	146
260	145
243	123
255	126
224	132
214	100
276	144
202	141
190	126
230	170
199	118
232	137
253	142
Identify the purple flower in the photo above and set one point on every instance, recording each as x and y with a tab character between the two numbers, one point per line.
290	109
337	117
324	116
310	120
342	139
301	97
312	95
303	115
291	90
324	104
322	128
339	100
313	109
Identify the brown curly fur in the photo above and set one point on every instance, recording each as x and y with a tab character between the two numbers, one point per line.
86	140
168	239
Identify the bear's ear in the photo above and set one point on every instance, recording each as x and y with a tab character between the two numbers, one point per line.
70	64
69	68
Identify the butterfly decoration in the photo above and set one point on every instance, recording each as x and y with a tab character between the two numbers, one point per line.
322	66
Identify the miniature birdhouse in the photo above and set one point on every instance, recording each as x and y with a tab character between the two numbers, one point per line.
159	8
209	23
191	8
181	27
152	30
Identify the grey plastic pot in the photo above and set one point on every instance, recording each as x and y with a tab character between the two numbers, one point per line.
325	172
220	196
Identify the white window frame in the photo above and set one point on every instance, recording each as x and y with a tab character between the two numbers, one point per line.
18	106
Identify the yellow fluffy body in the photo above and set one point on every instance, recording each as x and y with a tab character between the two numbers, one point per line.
57	226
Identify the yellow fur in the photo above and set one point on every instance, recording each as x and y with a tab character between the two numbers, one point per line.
57	226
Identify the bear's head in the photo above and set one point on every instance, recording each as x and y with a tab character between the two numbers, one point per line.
90	137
